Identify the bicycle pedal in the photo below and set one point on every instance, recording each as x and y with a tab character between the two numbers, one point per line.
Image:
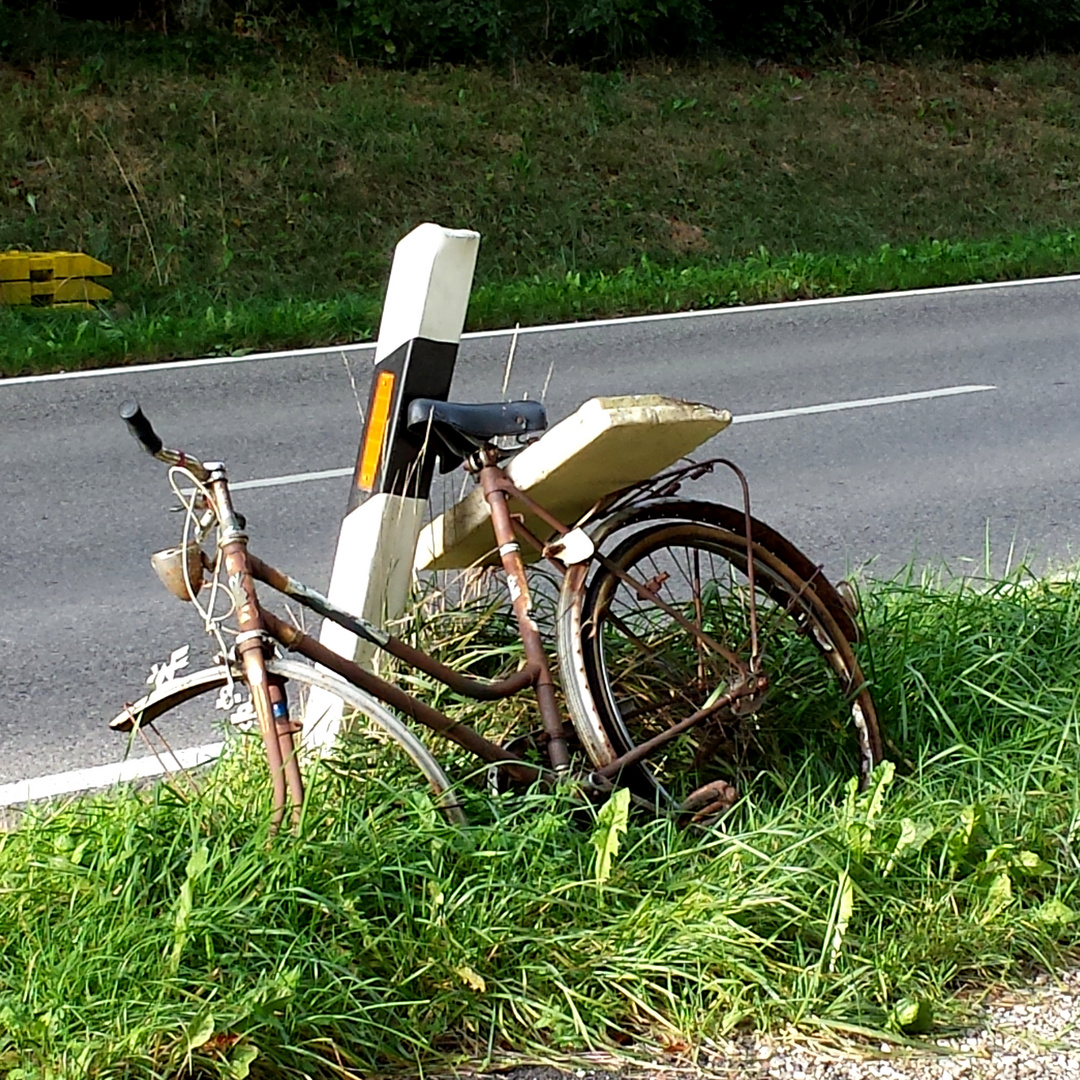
709	801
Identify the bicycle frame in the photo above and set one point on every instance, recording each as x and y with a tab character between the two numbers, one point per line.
536	672
267	693
258	628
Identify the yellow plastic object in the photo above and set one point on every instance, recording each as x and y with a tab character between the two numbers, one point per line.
51	278
14	292
66	290
608	444
14	266
66	264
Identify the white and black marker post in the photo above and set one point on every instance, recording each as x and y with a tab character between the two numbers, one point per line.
422	320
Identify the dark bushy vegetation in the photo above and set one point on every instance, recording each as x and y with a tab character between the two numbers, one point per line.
606	31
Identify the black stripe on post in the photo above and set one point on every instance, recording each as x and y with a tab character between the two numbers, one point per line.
421	368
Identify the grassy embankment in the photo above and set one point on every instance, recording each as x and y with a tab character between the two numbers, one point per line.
146	936
251	201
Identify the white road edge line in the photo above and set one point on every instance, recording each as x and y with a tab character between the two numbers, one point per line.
178	365
102	776
44	787
745	418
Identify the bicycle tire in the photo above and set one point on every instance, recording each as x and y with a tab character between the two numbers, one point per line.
614	683
190	692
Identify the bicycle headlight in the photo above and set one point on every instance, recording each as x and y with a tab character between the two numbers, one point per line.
180	569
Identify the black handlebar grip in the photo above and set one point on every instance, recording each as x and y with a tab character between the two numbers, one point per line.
140	427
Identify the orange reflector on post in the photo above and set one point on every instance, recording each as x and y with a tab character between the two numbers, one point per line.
377	423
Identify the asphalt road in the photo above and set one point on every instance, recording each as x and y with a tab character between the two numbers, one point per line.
81	508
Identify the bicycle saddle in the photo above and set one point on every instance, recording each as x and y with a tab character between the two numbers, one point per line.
464	428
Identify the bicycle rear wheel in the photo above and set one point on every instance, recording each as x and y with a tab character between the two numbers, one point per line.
379	749
645	670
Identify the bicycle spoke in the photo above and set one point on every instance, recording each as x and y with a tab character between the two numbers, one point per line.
652	670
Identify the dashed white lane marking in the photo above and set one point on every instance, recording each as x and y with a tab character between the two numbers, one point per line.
745	418
292	478
861	403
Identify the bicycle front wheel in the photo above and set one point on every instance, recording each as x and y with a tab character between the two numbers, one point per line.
380	750
646	670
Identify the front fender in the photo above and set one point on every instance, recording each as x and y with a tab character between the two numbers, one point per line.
170	694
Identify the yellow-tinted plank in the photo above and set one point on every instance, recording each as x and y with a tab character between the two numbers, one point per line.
14	292
41	266
608	444
14	266
70	264
46	265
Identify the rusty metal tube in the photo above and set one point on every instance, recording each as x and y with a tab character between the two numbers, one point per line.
461	684
298	641
643	750
678	616
286	729
504	482
287	783
518	585
254	664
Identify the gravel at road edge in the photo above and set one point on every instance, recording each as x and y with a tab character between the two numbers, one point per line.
1032	1033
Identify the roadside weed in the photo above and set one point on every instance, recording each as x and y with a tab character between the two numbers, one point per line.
159	936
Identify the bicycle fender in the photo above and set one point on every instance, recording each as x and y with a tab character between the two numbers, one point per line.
167	696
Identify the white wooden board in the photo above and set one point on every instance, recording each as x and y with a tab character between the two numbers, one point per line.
608	444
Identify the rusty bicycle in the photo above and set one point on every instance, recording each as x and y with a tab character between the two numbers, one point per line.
698	650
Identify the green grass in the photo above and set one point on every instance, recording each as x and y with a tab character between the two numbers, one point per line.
143	936
256	204
40	341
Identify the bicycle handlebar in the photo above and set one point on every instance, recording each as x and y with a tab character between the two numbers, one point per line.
143	432
140	427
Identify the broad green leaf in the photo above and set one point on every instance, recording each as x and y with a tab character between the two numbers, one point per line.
1032	864
198	862
199	1032
913	837
864	808
470	978
196	865
879	785
998	894
241	1060
610	825
913	1016
1055	912
960	840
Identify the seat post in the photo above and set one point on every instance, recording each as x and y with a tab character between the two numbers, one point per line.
518	586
